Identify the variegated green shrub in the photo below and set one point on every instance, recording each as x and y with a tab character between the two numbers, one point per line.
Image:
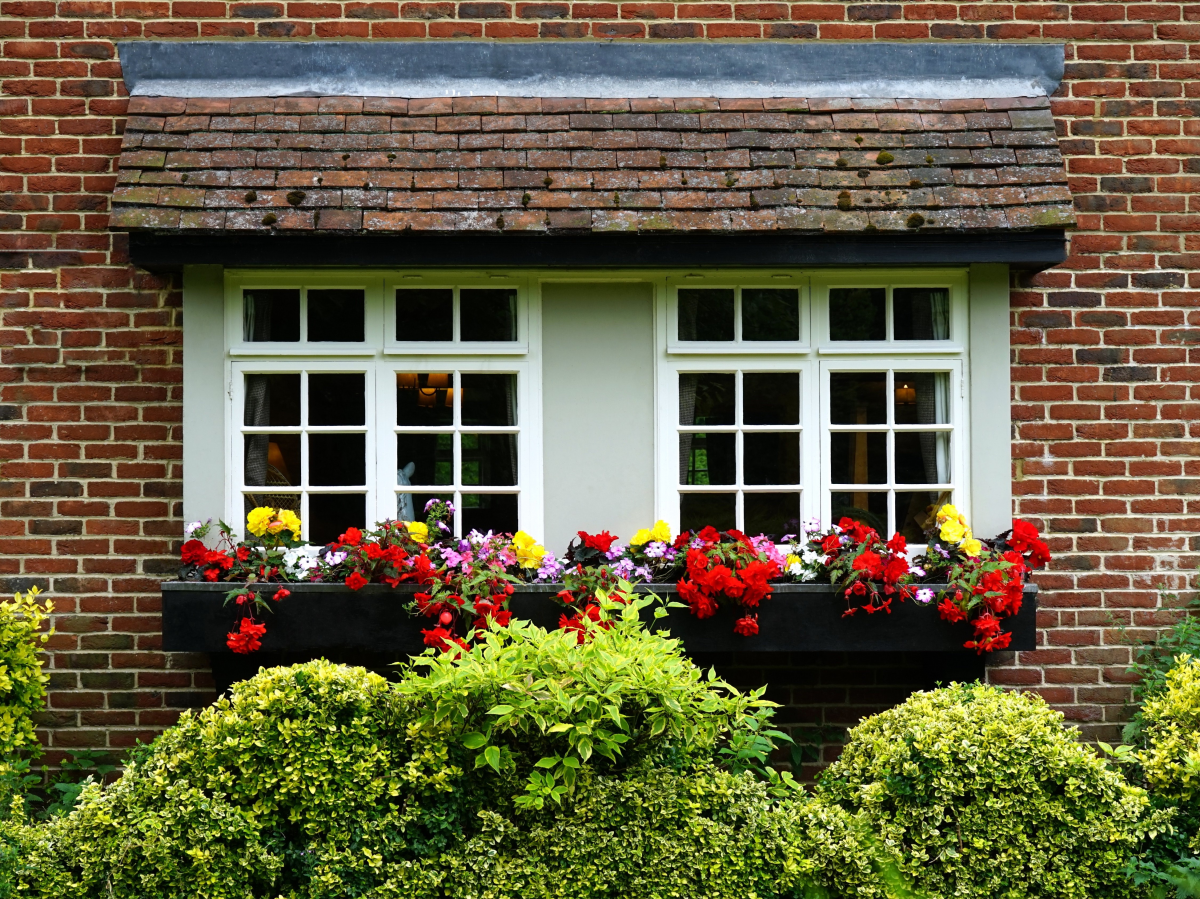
1171	722
22	683
980	793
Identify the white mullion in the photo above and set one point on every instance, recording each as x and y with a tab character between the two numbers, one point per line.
455	317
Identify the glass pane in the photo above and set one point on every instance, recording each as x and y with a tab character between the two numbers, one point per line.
335	316
489	460
337	460
495	512
858	458
272	401
337	399
771	399
771	458
487	315
425	399
869	508
773	514
858	398
272	460
426	314
922	458
922	398
706	399
705	314
699	510
424	459
329	514
489	400
411	506
857	313
914	511
270	315
920	313
770	314
707	458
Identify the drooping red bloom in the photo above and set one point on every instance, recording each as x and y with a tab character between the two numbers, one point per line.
247	638
1023	535
950	611
194	552
437	637
282	593
601	542
746	626
356	581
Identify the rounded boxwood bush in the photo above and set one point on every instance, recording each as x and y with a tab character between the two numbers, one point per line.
1171	729
979	792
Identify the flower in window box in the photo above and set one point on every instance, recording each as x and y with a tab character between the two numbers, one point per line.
418	530
529	552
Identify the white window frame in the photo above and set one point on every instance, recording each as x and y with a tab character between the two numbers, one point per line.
737	346
380	356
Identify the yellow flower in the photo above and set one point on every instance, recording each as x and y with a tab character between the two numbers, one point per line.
290	522
641	538
971	547
946	512
418	530
661	532
529	551
791	560
952	531
258	520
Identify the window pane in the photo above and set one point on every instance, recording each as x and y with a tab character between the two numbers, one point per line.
858	398
271	315
272	401
329	514
488	314
706	399
920	313
770	314
339	399
489	400
698	510
705	314
773	514
857	313
771	458
424	459
335	316
707	458
337	460
868	508
425	399
922	458
411	506
858	458
489	460
495	512
425	315
913	511
922	398
272	460
771	399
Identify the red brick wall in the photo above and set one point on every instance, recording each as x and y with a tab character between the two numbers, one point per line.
1104	395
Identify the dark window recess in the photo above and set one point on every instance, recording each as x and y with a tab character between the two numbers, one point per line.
915	511
329	514
771	458
696	510
495	512
770	314
337	460
489	400
868	508
424	315
487	315
271	316
857	313
920	313
424	399
272	401
858	398
431	457
337	399
858	457
705	314
771	398
773	514
706	399
336	316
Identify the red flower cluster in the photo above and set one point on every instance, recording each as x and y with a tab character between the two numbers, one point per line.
248	638
863	566
383	559
601	542
725	565
211	562
1026	540
576	622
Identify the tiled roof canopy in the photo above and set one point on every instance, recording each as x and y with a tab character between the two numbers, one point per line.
476	164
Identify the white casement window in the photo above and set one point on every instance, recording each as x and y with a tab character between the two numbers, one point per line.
354	402
839	395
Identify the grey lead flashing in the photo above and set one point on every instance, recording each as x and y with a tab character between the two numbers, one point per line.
599	70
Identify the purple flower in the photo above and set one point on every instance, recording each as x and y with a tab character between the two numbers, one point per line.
614	552
336	558
924	596
623	568
656	550
916	570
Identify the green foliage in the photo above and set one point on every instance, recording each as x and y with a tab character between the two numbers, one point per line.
1171	719
1154	660
979	792
541	705
22	683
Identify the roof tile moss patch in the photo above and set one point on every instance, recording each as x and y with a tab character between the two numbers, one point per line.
501	163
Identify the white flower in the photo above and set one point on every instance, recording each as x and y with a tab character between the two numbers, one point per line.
192	528
796	569
811	557
924	595
301	560
808	575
